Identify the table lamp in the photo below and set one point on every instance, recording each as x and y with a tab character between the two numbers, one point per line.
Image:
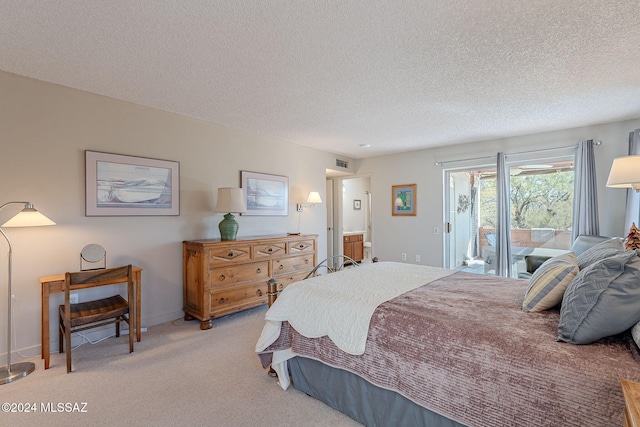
28	217
230	200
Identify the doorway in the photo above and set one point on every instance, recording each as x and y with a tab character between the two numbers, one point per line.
350	217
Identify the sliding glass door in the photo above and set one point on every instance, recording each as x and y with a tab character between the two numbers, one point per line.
541	194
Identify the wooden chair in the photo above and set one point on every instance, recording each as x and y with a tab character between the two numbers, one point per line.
93	314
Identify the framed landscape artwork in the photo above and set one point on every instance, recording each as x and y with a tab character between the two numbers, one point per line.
120	185
403	200
265	194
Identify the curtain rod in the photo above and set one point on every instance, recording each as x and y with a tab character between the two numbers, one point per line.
596	142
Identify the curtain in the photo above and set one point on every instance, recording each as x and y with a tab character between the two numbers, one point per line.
503	220
585	197
633	198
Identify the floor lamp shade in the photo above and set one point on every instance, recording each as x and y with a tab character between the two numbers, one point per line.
28	217
230	200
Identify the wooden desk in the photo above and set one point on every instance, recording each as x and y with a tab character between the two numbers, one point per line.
55	284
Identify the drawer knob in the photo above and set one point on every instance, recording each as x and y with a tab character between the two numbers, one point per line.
306	261
230	254
270	250
223	300
222	277
301	246
281	267
258	270
259	292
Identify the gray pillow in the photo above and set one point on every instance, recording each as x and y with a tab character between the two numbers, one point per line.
603	300
635	333
599	252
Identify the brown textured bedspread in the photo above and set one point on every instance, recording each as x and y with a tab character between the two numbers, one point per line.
462	347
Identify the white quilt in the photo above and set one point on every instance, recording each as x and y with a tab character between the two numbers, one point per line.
323	305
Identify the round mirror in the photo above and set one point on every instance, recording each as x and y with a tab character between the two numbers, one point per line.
93	252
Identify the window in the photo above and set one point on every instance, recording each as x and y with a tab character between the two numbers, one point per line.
541	213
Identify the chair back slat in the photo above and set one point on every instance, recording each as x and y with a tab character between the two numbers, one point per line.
105	276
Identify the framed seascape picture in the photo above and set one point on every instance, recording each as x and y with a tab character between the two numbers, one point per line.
265	194
120	185
403	200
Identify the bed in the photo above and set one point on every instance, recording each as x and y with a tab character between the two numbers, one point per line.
444	349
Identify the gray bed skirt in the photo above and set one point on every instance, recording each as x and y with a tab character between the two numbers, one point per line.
359	399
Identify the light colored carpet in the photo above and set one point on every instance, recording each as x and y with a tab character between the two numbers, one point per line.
178	375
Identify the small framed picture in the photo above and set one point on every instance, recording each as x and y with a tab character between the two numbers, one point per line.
357	204
403	200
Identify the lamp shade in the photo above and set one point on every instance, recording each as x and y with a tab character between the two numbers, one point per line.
625	173
314	198
230	200
28	217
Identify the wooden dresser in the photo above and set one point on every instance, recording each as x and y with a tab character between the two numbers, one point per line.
224	277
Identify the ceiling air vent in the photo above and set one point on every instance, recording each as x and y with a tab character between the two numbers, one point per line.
342	163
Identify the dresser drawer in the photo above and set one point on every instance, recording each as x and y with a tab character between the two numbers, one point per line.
257	271
269	250
301	246
292	265
286	279
230	297
229	255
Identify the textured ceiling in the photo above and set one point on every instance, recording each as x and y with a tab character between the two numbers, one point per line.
399	75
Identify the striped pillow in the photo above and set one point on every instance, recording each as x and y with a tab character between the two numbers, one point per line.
548	283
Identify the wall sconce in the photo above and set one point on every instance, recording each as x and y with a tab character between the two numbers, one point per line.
313	199
27	217
625	173
230	200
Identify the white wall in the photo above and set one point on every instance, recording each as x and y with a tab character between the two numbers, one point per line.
44	131
414	235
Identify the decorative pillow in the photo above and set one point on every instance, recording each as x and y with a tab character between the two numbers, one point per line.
600	251
603	300
549	281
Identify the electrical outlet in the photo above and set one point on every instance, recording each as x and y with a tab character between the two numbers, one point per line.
73	298
417	258
436	230
404	256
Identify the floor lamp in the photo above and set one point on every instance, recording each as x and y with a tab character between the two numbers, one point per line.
28	217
